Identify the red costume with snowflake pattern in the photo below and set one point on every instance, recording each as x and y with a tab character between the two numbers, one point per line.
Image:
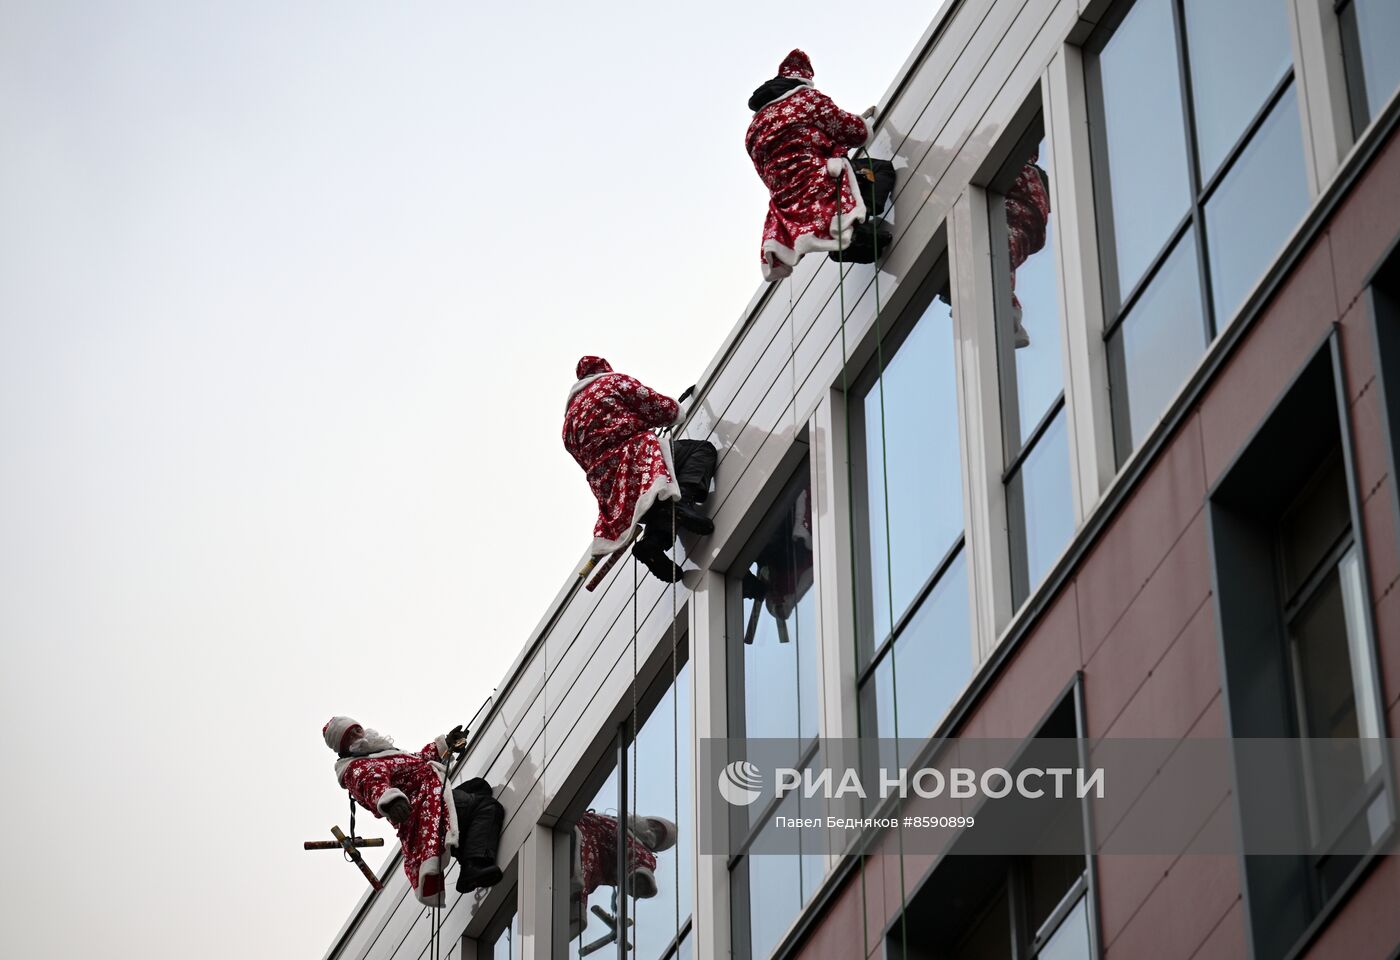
607	430
798	144
598	852
431	831
1027	214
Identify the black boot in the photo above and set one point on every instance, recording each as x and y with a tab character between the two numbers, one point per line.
870	239
476	873
688	517
655	559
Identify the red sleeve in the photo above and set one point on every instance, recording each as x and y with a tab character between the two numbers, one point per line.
847	129
435	750
367	782
652	408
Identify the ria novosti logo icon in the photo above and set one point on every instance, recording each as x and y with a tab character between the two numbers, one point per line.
740	783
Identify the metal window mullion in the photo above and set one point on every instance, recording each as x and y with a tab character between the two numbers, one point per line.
1324	568
1154	267
911	611
1193	168
1041	428
1250	129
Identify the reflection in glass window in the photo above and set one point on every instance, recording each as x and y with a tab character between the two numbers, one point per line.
1256	206
1223	212
1234	78
1156	346
507	945
1040	508
773	694
770	890
1372	55
938	633
773	606
1141	176
914	634
1029	344
906	426
657	838
1070	941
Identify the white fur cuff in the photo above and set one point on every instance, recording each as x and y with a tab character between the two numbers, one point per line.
835	166
388	797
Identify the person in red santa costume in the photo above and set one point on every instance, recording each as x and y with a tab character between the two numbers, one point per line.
595	858
1027	216
407	789
636	476
798	141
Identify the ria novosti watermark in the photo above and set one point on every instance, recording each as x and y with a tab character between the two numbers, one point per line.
741	783
1047	796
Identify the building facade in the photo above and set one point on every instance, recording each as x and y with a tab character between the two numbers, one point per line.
1172	513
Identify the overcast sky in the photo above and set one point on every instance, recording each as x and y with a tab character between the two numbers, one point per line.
290	299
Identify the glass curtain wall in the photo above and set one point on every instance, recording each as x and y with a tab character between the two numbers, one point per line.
1198	180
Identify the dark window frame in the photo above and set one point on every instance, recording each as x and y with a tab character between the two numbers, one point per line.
1194	221
1324	362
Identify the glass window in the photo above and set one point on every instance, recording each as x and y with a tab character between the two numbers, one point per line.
656	837
1141	181
1369	29
1156	346
1197	151
1233	79
773	694
1040	506
1321	573
773	653
912	476
911	582
938	633
507	945
1300	662
1251	213
1070	941
1009	925
769	890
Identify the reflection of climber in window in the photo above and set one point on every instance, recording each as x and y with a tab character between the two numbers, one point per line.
1027	214
595	861
782	573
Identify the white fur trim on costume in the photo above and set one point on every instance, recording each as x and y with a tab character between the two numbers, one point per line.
437	866
388	797
869	132
660	489
779	259
806	85
442	748
343	763
834	166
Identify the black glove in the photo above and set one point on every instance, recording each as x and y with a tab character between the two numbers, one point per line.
457	738
398	811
